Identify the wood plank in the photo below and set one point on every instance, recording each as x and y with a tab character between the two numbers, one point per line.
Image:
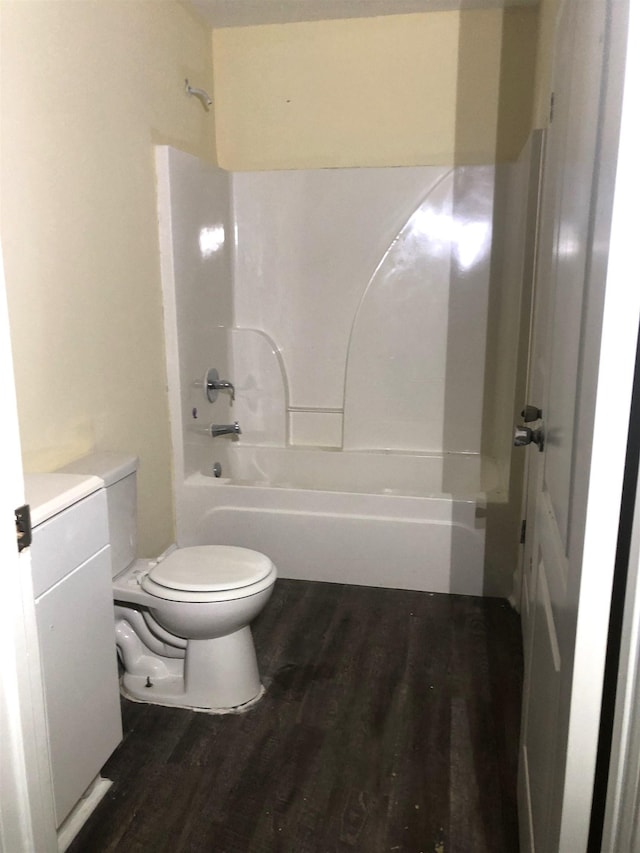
390	723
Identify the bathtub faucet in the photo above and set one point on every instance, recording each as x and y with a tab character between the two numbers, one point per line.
225	429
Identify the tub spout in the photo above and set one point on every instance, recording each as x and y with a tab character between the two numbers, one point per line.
225	429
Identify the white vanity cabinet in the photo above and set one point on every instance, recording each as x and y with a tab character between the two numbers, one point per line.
74	612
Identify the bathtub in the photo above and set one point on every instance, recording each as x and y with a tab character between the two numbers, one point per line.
388	519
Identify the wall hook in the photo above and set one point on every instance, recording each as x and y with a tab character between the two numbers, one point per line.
204	98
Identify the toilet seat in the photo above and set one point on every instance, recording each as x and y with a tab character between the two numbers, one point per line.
209	573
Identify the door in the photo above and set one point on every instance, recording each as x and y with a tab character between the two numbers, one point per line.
575	477
26	803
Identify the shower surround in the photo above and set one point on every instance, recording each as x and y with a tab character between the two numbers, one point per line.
349	308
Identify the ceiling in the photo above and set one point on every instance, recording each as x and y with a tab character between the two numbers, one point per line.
244	13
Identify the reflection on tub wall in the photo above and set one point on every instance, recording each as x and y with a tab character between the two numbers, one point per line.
350	274
196	238
261	388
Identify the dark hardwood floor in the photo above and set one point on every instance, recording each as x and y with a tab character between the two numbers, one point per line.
390	723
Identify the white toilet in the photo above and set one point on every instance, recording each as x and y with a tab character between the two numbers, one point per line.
182	621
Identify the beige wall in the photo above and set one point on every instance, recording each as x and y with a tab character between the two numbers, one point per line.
426	89
87	88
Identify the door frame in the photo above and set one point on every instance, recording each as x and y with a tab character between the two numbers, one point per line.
610	354
622	803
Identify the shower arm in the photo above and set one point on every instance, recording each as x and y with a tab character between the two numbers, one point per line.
203	96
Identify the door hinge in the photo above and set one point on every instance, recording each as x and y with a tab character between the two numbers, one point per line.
23	527
552	104
523	531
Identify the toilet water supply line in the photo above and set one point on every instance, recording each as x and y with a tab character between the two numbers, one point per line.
203	96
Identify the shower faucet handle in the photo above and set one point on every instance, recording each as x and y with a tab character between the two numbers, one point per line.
213	384
220	385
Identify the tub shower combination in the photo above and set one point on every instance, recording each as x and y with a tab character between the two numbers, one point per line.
326	345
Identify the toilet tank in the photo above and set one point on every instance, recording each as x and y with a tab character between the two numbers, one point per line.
118	472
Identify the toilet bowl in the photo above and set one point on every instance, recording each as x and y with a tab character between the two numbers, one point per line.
193	646
182	621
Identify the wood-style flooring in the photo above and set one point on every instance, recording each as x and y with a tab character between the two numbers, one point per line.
390	723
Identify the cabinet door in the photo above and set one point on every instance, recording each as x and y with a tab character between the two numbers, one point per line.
77	646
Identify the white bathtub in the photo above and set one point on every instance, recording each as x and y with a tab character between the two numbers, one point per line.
408	521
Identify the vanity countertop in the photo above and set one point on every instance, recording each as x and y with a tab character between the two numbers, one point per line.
49	494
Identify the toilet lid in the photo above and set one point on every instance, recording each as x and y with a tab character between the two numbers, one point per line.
206	568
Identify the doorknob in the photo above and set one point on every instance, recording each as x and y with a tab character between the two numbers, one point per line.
525	435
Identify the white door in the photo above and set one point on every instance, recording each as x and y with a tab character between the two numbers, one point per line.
585	328
26	803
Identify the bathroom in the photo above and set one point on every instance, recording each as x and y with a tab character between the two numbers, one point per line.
102	88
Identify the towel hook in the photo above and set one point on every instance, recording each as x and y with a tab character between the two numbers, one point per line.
203	96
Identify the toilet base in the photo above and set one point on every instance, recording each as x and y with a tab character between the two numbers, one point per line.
133	691
217	676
